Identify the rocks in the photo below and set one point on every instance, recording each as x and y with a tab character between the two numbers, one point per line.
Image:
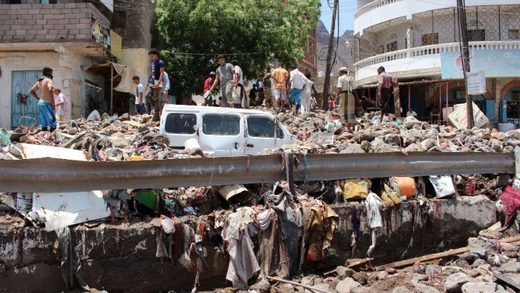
481	287
347	285
360	277
455	281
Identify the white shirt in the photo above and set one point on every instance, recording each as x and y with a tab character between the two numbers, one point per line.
138	90
166	82
297	79
94	116
308	87
345	82
238	71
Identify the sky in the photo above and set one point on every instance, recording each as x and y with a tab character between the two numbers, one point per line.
346	14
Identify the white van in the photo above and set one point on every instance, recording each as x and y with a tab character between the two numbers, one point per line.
223	132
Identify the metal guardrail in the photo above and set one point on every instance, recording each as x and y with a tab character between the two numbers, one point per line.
53	175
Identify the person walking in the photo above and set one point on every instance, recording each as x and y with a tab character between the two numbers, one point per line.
47	116
281	79
61	104
385	91
238	81
297	84
307	93
347	104
140	107
153	92
224	78
268	91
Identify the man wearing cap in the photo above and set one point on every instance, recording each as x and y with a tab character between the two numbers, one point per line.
47	116
347	105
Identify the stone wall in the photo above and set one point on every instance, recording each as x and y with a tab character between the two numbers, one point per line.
122	258
63	22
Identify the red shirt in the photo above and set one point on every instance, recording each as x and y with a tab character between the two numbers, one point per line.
207	84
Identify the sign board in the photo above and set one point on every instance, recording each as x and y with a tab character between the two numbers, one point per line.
459	117
476	82
116	47
100	33
496	63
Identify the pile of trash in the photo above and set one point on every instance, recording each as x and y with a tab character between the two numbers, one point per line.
323	132
486	265
113	139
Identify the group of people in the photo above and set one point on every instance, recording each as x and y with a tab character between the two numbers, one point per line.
230	78
157	90
53	105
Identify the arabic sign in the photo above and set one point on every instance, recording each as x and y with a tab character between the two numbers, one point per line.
100	34
476	82
495	63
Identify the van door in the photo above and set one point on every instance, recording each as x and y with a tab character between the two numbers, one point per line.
222	134
261	134
179	127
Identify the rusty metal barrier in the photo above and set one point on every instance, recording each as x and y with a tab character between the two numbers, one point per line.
53	175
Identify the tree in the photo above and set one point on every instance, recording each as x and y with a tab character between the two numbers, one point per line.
254	32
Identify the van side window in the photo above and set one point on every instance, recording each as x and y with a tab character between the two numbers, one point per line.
221	124
181	123
258	126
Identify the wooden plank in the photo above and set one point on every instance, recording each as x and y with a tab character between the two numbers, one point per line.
430	257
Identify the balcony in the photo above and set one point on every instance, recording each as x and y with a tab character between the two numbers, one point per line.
380	11
419	62
49	23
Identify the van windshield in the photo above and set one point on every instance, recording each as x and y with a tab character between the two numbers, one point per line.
181	123
221	124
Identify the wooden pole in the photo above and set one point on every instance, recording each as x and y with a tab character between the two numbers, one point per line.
328	68
461	9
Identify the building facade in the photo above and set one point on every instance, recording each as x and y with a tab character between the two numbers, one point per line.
418	40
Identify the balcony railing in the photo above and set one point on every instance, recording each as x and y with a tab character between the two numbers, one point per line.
374	5
435	49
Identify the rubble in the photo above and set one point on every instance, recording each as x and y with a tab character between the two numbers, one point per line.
270	232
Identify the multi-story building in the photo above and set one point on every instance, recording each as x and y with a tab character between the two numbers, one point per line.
418	41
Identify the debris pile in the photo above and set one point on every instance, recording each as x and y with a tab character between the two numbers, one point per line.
485	265
322	132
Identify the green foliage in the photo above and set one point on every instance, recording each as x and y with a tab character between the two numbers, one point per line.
254	32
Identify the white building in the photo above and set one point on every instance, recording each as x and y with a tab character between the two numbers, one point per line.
419	40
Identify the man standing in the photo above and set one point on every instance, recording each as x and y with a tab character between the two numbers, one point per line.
297	81
139	96
347	104
46	102
384	91
153	93
307	93
268	91
281	78
224	77
238	81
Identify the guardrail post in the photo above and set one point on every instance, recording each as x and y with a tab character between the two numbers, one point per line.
289	171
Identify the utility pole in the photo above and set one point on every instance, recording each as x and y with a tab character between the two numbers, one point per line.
463	27
328	67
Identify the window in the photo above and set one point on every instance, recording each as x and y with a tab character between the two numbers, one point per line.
48	1
390	47
221	124
430	39
476	35
514	34
181	123
260	126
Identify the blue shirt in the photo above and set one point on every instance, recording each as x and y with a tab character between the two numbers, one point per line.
156	70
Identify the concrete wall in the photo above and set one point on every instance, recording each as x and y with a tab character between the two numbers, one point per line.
48	22
113	255
133	20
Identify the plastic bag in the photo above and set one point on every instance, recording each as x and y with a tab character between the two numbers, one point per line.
404	186
236	95
443	186
356	189
5	138
167	225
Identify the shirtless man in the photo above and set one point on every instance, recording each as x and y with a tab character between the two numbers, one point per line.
47	115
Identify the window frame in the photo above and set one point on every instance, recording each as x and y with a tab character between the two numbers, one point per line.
180	133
